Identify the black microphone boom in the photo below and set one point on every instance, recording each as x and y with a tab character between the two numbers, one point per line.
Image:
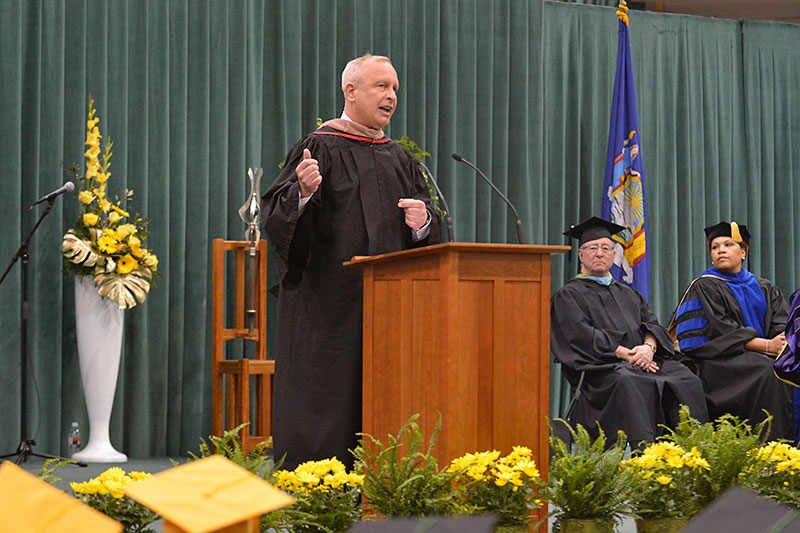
448	220
67	187
495	189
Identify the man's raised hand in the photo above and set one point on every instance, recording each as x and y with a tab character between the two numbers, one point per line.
308	176
416	214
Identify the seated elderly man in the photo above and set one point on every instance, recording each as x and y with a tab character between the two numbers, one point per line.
606	329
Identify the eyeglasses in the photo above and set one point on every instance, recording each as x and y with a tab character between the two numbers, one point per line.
592	248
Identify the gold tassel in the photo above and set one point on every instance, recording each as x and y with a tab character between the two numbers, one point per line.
735	235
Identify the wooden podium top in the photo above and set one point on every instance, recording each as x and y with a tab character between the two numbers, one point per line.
479	247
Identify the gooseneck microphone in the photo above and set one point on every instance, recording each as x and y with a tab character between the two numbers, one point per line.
67	187
448	220
495	189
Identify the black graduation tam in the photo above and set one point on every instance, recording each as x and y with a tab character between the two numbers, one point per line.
740	510
594	228
733	230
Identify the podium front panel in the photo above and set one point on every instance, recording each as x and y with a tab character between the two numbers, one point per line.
461	331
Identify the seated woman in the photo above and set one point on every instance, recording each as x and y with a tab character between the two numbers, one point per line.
731	324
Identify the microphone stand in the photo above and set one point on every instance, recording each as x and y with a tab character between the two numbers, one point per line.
25	447
460	159
447	218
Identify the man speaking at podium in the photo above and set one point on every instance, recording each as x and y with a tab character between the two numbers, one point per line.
345	190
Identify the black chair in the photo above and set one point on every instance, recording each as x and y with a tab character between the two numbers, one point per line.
561	430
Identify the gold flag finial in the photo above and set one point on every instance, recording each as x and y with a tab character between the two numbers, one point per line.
622	12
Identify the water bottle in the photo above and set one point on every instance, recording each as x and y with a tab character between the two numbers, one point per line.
73	439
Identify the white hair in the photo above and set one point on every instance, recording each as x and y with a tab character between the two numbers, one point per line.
353	71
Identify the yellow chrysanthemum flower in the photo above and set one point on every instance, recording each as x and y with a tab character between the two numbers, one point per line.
528	468
308	478
113	473
355	480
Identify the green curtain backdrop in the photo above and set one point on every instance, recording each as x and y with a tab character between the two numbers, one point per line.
194	92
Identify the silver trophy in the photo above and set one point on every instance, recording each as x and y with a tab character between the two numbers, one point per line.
250	213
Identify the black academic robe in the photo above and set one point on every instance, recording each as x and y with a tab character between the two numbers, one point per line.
587	323
736	380
317	387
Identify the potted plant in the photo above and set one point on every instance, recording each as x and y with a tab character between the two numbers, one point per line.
104	494
726	444
107	251
327	497
402	478
507	486
775	473
589	489
668	489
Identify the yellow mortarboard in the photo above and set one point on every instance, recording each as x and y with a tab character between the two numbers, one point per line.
29	504
211	494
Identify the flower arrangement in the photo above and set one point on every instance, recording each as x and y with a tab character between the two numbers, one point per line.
775	474
325	492
668	480
104	494
106	242
507	486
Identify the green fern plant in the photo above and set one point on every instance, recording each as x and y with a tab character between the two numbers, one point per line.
259	462
229	445
725	443
48	471
589	482
402	477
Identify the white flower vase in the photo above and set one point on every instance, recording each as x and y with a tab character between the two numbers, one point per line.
99	330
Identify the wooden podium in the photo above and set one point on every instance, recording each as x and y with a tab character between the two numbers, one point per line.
463	330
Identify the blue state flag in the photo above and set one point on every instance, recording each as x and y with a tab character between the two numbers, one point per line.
623	190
